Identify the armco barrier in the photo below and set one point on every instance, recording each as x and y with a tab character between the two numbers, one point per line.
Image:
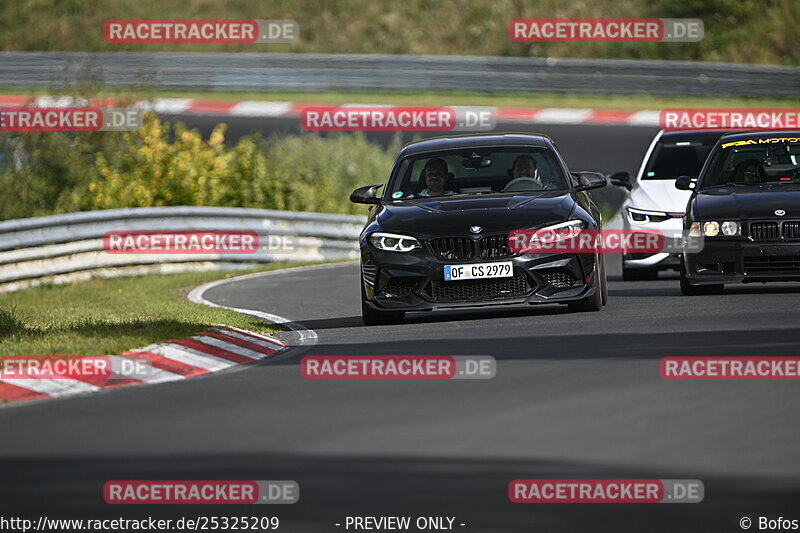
392	73
63	248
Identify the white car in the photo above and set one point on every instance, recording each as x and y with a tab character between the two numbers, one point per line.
653	201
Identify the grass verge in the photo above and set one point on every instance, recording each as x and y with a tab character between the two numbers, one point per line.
620	102
110	316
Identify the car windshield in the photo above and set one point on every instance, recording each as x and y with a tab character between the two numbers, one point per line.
672	158
755	162
511	170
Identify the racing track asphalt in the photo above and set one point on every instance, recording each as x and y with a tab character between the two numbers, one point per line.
575	396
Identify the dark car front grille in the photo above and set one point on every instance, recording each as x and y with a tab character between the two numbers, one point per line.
478	289
399	287
559	277
453	248
764	231
772	264
791	229
493	246
464	248
772	231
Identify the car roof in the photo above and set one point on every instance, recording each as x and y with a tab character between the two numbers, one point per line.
760	135
475	141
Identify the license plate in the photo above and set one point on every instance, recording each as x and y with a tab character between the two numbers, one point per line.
478	271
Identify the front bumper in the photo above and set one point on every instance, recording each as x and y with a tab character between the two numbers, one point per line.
415	281
743	261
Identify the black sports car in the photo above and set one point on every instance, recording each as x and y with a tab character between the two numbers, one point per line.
746	206
437	235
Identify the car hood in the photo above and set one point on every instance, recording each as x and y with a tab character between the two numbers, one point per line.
748	202
423	217
659	195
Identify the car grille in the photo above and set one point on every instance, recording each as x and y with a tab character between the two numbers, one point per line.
770	231
453	248
464	248
791	229
493	246
763	231
478	289
771	264
559	277
399	287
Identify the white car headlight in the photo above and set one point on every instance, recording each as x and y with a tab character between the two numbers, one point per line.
643	215
711	228
391	242
559	232
731	228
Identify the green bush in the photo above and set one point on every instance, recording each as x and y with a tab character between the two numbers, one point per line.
159	165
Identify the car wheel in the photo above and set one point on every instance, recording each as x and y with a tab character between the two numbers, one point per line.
639	274
590	303
373	317
687	289
604	293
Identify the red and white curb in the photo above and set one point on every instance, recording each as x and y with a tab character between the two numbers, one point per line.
220	348
255	108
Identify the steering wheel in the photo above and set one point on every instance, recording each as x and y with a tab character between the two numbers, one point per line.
523	184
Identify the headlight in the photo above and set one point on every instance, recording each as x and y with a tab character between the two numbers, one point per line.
559	232
712	228
391	242
643	215
731	228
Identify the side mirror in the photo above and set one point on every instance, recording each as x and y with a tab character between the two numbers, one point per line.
589	180
366	195
685	183
621	179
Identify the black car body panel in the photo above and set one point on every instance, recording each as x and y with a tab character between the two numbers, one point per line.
768	248
415	281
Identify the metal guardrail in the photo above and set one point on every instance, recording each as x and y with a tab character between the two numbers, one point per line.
391	73
65	248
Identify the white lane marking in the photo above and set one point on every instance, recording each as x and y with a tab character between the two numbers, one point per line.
187	356
260	109
306	337
167	105
562	116
152	374
230	347
54	387
61	101
644	118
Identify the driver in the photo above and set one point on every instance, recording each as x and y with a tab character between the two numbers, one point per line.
437	178
750	172
525	167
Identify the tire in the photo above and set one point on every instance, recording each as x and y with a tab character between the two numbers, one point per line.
687	289
604	292
373	317
593	302
639	274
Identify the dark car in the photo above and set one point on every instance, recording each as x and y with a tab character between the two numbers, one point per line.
654	203
437	236
746	206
